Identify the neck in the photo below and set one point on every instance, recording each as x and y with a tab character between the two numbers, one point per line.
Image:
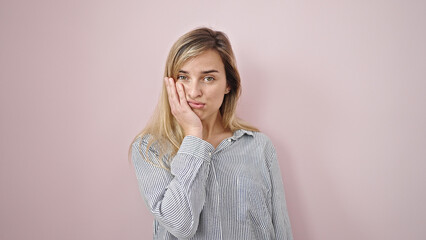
213	126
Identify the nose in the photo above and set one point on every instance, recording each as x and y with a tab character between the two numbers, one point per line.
193	89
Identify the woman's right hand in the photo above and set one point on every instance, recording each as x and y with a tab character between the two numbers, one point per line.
180	109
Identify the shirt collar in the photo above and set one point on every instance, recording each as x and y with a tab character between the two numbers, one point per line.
240	132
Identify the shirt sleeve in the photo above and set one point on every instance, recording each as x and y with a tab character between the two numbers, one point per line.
280	218
175	198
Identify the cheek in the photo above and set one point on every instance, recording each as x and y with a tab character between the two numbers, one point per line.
218	98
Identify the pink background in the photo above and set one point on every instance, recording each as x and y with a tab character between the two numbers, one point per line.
339	86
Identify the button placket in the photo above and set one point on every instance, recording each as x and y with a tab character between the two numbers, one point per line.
224	144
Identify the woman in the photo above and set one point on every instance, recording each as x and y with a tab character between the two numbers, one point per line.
203	173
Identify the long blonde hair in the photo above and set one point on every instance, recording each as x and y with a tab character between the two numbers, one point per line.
163	128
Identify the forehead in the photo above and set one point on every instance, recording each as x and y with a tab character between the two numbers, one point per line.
207	60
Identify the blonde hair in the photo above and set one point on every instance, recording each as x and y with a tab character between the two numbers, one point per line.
163	128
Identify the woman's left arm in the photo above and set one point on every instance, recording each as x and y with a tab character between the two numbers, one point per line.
280	218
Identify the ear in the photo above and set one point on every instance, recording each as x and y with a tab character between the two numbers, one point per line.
227	90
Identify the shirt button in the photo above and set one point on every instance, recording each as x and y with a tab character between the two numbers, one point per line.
210	154
229	140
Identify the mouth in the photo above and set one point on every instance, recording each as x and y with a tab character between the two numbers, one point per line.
196	105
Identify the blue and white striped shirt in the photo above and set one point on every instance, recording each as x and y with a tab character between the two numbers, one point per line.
232	192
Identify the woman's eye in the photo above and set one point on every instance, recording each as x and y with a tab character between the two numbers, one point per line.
181	78
209	79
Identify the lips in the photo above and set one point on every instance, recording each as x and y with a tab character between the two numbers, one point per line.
196	105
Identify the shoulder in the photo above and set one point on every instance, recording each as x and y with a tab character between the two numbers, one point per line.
142	139
264	145
261	146
148	148
259	138
256	139
141	144
268	149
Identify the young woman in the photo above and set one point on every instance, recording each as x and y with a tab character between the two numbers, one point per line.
203	173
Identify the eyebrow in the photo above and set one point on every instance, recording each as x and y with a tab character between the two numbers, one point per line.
203	72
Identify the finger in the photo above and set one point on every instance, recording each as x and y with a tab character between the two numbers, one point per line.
173	91
170	91
181	94
166	81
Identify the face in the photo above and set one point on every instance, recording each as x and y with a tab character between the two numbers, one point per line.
204	81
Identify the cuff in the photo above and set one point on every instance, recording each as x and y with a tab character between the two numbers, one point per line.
196	147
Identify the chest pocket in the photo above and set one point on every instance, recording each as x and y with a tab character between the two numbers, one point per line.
252	201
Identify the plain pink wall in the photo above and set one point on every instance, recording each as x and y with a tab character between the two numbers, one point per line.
339	86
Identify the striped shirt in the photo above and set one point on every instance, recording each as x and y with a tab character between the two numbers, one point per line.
232	192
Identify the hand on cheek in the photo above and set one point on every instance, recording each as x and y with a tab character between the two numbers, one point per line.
180	109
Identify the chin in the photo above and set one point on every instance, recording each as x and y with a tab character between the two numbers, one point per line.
199	114
202	114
